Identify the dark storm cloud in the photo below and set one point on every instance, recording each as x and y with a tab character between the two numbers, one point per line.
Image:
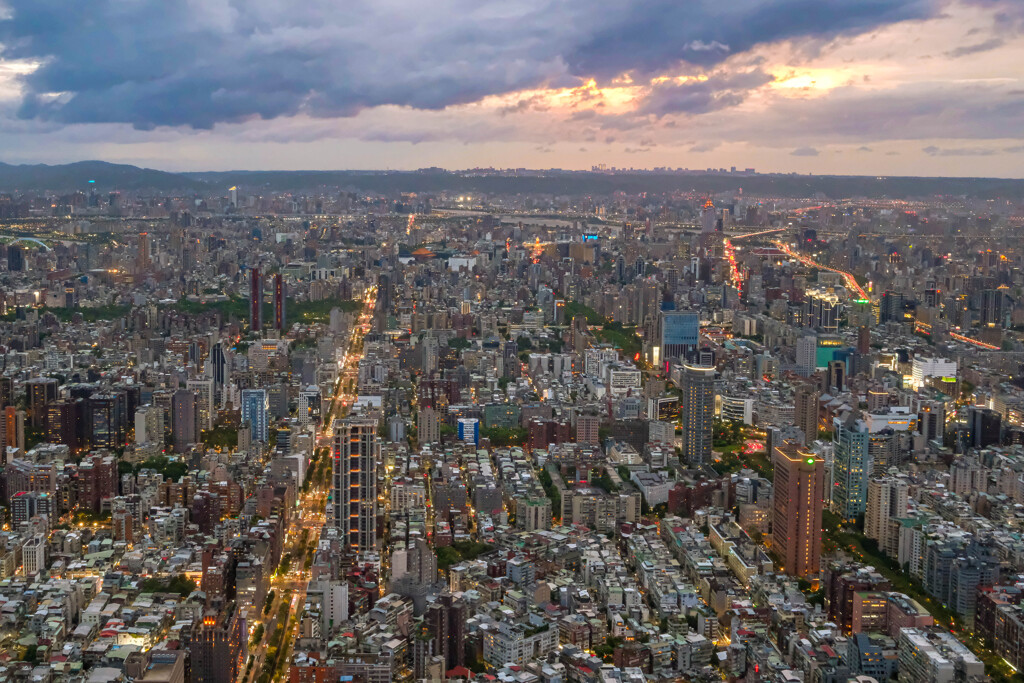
202	62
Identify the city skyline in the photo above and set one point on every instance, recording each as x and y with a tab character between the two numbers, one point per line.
923	88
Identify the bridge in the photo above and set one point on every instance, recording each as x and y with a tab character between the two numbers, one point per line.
32	240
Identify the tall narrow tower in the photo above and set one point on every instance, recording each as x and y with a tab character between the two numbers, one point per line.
354	483
255	301
279	296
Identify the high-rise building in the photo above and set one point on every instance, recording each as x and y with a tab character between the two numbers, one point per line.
105	415
806	412
184	409
931	420
279	302
992	307
217	646
806	355
887	499
697	412
680	334
205	409
708	217
149	424
985	426
863	340
6	391
15	258
219	364
836	375
14	430
256	411
587	429
428	426
851	467
142	256
41	392
255	300
354	489
447	621
799	491
62	422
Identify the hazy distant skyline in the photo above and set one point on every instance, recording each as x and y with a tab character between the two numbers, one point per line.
893	87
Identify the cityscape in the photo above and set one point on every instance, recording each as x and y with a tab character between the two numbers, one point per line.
519	342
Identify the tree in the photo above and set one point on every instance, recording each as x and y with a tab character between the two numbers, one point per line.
268	603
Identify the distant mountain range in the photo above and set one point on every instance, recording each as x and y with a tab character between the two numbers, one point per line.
106	177
86	175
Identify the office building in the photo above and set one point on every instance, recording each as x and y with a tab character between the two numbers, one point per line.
469	430
256	411
697	413
217	647
985	426
41	392
680	335
851	466
104	420
799	492
354	490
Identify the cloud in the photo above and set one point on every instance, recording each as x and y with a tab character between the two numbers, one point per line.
700	96
864	148
985	46
704	146
804	152
934	151
199	63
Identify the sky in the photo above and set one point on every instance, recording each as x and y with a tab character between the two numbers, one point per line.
860	87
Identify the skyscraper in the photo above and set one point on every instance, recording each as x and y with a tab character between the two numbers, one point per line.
205	410
696	411
680	334
256	411
447	621
354	484
142	255
219	362
806	412
255	300
806	355
279	298
851	468
799	490
15	259
708	217
216	647
41	392
183	419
